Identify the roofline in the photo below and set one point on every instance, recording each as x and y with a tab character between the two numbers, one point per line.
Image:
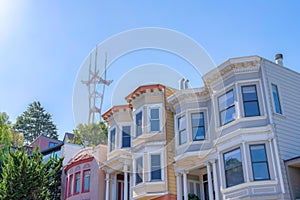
143	89
113	109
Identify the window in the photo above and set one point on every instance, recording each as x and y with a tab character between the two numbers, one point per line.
198	128
259	162
154	119
138	124
51	144
86	180
126	138
139	170
194	187
112	139
226	107
233	168
182	130
276	99
250	100
155	168
70	188
77	183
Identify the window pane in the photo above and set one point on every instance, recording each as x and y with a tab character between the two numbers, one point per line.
234	176
226	100
198	133
139	170
126	138
154	125
249	93
181	123
154	113
258	153
260	171
77	183
112	139
259	162
276	99
233	158
228	115
191	188
71	185
138	122
155	167
197	119
182	137
233	167
87	175
251	108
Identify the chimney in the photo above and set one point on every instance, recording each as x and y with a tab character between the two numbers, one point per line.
279	59
186	84
181	83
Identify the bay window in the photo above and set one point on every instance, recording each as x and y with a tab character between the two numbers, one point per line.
233	167
77	183
139	170
112	139
154	119
156	167
250	101
138	124
226	108
276	99
259	162
198	128
126	136
86	180
182	133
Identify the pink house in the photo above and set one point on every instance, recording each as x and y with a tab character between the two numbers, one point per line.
82	177
44	142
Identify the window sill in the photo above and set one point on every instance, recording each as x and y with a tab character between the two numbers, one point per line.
192	142
248	184
241	120
282	116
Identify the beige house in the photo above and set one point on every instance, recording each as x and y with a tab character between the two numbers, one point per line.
140	155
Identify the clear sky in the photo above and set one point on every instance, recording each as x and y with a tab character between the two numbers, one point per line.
44	43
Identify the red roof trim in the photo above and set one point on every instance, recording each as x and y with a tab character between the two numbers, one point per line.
69	166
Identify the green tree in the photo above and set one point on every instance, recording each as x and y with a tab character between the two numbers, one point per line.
93	134
35	121
6	137
29	177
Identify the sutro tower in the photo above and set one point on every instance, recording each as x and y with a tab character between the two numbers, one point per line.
95	80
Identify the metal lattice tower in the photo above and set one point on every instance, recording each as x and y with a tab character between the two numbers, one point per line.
93	84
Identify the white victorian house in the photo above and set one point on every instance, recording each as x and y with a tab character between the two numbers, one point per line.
238	136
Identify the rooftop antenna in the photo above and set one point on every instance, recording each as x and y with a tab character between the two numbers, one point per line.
92	83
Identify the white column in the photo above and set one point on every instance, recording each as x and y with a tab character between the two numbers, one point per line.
114	187
245	162
185	191
216	184
278	165
107	187
273	159
131	185
125	182
179	186
210	187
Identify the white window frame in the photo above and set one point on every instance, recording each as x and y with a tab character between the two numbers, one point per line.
134	168
186	128
203	110
121	134
109	138
227	90
154	106
195	186
161	152
141	109
280	99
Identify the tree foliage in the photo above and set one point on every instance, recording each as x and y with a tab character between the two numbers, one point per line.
93	134
30	178
35	121
6	137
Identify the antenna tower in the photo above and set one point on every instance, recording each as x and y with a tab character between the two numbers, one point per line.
93	84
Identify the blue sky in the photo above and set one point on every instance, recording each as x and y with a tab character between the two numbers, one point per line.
44	43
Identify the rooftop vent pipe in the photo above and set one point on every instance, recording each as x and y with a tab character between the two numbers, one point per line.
279	59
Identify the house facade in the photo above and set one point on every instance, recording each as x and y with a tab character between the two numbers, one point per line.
82	177
139	160
234	138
